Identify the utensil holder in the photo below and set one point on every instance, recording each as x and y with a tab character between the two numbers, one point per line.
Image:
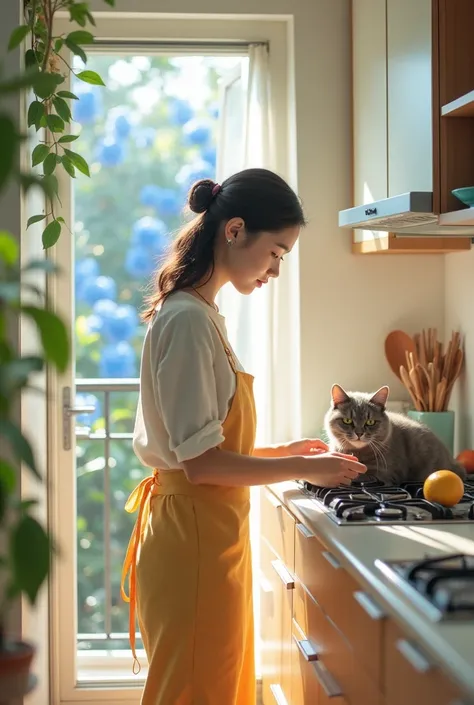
440	422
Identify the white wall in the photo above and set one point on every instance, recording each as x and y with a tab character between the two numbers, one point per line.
460	316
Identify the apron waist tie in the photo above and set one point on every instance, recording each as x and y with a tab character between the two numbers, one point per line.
138	499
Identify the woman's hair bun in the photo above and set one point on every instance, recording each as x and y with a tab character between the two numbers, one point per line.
200	195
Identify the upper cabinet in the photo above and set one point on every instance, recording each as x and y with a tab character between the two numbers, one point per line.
411	58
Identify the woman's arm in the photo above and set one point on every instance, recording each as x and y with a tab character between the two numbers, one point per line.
222	467
279	450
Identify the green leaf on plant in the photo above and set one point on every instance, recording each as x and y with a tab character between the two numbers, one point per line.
110	2
51	234
62	108
8	147
55	123
35	219
39	154
68	166
7	476
20	446
90	77
58	45
9	250
78	161
30	550
17	36
53	332
46	83
30	58
77	50
49	164
91	19
16	373
51	187
35	113
80	37
67	94
67	138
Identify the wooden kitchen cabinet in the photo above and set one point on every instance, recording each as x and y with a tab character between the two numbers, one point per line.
397	142
410	676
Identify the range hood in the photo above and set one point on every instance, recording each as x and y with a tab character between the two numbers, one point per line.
407	214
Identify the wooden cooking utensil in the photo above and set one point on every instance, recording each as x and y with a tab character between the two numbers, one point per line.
405	378
396	344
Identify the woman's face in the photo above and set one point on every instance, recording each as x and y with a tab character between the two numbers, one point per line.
250	261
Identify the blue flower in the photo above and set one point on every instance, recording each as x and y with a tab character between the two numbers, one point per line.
99	288
122	325
122	127
111	153
103	311
145	137
190	173
85	109
138	263
209	155
149	233
197	132
85	270
117	361
85	399
166	201
214	111
180	111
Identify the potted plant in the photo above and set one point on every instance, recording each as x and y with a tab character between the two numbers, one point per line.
26	547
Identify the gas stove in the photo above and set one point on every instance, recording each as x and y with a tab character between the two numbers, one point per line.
442	587
369	501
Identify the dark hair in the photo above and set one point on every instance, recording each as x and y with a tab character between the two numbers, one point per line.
261	198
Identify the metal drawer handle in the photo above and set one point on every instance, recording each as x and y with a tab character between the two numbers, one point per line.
326	680
278	694
306	649
284	574
369	605
414	657
331	560
272	499
304	531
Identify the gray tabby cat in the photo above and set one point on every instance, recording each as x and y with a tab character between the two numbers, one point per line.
393	447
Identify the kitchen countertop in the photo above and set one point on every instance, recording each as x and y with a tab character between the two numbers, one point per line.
449	644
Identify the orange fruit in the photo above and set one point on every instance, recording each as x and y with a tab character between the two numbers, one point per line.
444	487
466	458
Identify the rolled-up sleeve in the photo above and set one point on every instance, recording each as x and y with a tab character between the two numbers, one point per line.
186	385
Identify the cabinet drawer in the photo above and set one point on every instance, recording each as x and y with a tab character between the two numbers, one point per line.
411	677
354	612
277	527
334	651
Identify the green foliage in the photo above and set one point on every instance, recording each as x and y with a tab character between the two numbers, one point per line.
25	560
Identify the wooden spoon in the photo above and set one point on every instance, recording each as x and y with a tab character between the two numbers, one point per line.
397	343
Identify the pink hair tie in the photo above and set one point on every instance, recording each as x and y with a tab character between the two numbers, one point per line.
216	189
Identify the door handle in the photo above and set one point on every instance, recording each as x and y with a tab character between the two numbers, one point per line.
284	574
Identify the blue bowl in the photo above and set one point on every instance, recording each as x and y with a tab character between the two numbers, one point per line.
465	195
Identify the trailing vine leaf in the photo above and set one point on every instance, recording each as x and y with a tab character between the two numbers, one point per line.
17	36
80	37
35	113
90	77
19	444
9	250
46	83
51	234
67	138
78	161
62	108
68	165
54	337
35	219
30	58
55	123
49	164
67	94
58	45
29	556
76	50
39	154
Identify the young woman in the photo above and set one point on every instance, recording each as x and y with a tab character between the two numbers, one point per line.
189	554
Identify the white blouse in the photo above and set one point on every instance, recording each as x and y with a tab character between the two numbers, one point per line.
186	384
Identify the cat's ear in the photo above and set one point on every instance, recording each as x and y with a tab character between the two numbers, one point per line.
380	397
338	395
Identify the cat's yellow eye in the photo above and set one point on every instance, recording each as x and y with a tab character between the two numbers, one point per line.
370	422
347	421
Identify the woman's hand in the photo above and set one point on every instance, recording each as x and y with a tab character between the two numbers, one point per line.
306	446
331	469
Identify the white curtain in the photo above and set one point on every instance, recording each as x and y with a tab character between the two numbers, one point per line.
246	140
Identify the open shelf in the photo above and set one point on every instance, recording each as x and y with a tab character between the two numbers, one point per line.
461	107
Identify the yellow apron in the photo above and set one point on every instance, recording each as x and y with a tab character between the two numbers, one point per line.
189	556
